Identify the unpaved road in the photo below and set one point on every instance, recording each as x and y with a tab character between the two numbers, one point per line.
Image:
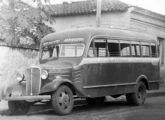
154	109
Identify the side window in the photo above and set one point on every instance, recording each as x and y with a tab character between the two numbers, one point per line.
50	51
153	50
138	49
113	48
125	48
145	49
56	51
100	47
135	49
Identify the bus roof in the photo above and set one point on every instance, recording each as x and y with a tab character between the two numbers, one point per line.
89	32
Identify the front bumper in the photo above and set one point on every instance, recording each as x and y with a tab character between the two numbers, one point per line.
28	98
17	92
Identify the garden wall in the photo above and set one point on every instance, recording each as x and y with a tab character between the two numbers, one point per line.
13	60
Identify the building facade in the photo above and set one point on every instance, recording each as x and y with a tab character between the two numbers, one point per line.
151	23
115	14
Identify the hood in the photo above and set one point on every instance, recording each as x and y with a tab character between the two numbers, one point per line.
56	65
60	62
62	69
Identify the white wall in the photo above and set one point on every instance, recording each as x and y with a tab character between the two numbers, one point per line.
152	23
13	60
114	19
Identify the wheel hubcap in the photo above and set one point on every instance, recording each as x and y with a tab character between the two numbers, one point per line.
64	100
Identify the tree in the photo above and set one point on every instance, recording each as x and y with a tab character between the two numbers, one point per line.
22	24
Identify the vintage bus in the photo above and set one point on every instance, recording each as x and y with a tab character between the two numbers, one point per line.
88	63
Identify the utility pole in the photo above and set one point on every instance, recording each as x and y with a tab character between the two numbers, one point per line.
98	13
14	41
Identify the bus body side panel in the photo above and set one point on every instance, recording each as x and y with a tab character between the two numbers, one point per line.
116	76
154	82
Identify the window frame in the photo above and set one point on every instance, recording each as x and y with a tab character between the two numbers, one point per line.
114	41
61	45
145	44
95	49
125	42
156	51
136	44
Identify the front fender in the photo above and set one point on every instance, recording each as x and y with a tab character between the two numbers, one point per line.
52	86
9	88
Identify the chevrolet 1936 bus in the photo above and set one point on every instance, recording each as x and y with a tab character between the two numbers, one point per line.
88	63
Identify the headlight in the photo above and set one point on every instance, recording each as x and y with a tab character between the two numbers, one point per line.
44	74
19	77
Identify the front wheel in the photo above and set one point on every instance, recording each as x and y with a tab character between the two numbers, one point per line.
62	100
18	107
139	96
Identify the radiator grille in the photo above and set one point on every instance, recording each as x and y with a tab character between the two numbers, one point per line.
33	83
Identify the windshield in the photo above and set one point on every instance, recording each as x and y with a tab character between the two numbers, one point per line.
62	50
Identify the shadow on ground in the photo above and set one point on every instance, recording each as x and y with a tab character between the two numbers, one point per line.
80	108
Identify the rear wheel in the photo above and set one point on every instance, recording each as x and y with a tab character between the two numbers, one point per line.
18	107
139	96
62	100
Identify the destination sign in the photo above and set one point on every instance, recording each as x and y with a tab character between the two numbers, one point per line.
51	42
67	40
72	40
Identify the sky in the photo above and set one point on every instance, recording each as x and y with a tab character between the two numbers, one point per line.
157	6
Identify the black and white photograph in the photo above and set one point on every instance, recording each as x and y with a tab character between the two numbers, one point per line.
82	59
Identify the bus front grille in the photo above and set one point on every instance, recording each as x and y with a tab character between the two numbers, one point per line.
33	83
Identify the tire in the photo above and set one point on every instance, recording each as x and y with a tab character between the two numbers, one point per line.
62	100
139	96
95	101
18	107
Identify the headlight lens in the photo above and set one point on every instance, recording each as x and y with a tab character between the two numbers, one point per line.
44	74
19	77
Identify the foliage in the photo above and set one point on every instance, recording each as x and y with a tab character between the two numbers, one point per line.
22	24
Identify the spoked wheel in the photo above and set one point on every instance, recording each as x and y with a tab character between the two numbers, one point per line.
18	107
139	97
62	100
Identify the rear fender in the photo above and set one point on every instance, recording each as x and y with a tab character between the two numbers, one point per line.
144	79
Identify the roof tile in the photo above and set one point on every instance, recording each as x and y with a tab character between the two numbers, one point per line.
88	6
